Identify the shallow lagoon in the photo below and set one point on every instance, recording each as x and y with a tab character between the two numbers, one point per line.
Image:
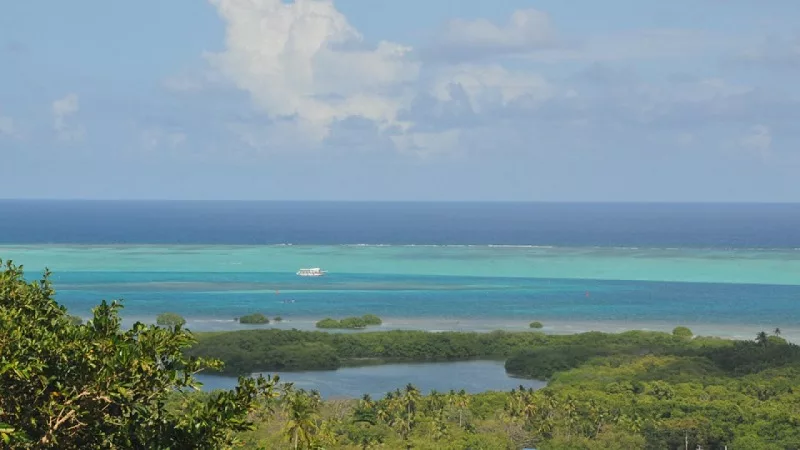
724	292
353	382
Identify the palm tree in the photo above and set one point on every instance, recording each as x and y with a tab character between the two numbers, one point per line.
777	331
762	338
401	411
411	398
366	410
462	401
302	424
435	404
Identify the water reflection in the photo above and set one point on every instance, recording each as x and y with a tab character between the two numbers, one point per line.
352	382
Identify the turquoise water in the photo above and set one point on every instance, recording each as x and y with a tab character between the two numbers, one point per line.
351	382
432	287
741	266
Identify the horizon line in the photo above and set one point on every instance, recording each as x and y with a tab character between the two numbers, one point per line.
168	200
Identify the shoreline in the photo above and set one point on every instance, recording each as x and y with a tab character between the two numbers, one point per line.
443	324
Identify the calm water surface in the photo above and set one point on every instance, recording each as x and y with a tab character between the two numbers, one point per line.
352	382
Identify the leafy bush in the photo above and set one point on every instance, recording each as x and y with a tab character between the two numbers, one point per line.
255	318
350	323
96	386
542	363
169	319
303	356
278	319
682	333
328	323
536	325
372	319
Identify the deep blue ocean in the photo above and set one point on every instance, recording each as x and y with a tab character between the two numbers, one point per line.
334	223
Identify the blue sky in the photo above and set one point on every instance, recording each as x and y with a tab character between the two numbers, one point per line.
385	100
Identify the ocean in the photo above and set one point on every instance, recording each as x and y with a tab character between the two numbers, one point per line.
725	269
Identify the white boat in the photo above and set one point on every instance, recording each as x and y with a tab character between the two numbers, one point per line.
314	272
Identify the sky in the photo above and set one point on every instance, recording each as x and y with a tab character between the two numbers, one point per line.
623	100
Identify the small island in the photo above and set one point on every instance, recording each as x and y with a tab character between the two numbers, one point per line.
350	323
536	324
254	319
170	319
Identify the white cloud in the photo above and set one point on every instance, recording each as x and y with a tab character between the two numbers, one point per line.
428	143
527	30
309	71
304	60
63	110
7	127
489	86
758	140
531	35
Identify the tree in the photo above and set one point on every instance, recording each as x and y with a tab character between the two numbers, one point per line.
762	339
460	401
169	319
777	331
372	319
682	333
255	318
302	409
67	386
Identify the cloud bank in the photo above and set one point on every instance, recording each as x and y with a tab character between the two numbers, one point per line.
304	61
314	78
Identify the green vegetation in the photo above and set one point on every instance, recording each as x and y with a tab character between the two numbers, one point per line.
529	354
249	351
169	319
350	323
536	325
721	393
255	318
682	332
372	319
606	391
328	323
278	319
65	386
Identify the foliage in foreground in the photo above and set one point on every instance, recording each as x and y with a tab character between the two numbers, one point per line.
70	386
